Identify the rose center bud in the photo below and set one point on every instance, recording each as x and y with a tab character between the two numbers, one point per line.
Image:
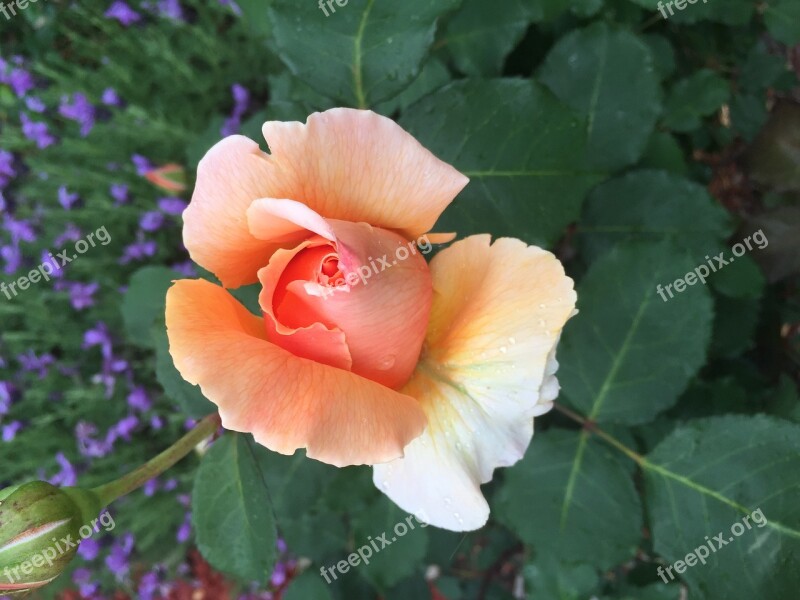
360	302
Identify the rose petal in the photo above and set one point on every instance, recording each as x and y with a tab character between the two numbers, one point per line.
355	165
487	370
286	402
300	331
233	174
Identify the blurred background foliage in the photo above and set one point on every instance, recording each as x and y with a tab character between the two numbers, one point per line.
631	145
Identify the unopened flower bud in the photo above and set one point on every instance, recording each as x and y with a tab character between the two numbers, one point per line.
40	529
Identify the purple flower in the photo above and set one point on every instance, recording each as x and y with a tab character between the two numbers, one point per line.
79	110
7	171
138	250
89	549
142	164
119	191
150	487
11	430
122	13
71	234
110	97
156	422
98	336
241	98
12	257
170	485
139	400
66	199
5	397
185	268
36	132
87	444
19	229
34	104
30	362
170	9
48	258
151	221
278	577
81	294
172	206
66	476
123	429
21	82
185	530
117	560
83	578
149	586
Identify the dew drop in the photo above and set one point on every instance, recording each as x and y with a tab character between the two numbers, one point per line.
387	362
542	305
512	340
503	349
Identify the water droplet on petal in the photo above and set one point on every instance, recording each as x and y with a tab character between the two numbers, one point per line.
387	362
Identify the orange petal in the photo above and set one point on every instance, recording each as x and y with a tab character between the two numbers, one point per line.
233	174
384	311
355	165
296	328
286	402
487	370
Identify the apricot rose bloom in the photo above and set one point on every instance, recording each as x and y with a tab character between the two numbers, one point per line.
431	374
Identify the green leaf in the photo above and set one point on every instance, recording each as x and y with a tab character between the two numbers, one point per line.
633	207
391	564
433	76
609	76
735	324
369	50
547	578
254	15
517	144
187	396
569	491
783	20
628	354
480	37
232	512
693	98
664	153
705	479
307	586
144	302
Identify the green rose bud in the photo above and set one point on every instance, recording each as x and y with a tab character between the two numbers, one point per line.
40	529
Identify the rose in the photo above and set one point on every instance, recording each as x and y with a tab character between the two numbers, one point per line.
433	375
